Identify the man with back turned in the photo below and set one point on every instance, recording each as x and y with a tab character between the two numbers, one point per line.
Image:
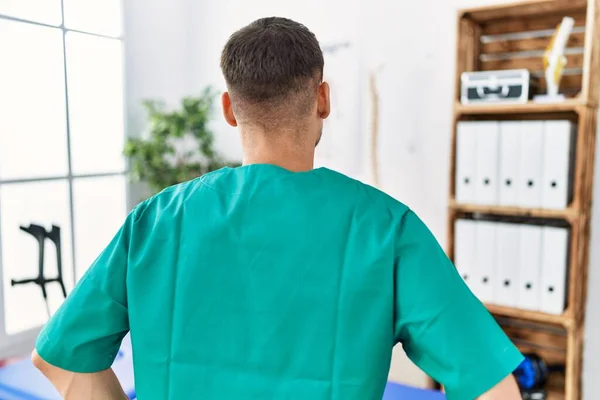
273	280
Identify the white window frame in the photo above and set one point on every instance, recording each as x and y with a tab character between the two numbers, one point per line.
22	343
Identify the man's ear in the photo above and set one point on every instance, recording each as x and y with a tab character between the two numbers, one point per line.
228	109
323	101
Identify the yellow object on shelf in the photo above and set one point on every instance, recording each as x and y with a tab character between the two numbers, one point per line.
555	60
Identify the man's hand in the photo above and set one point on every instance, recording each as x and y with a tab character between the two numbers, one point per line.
505	390
76	386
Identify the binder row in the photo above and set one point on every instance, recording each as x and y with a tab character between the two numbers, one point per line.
515	163
514	265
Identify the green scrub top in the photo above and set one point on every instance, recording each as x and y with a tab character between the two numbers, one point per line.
261	283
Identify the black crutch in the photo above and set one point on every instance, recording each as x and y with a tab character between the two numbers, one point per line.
40	234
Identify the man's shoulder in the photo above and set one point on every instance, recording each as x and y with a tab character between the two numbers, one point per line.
169	199
377	197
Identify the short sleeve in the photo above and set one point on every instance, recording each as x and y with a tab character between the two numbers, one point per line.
85	334
442	326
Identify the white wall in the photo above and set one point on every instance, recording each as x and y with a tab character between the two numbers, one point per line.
157	54
173	48
591	360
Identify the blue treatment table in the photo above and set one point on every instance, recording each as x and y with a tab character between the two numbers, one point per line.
21	381
395	391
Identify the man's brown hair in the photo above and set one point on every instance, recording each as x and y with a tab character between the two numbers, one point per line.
272	68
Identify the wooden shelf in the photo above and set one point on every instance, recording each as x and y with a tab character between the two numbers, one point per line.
569	105
555	395
556	387
534	316
521	8
527	18
568	214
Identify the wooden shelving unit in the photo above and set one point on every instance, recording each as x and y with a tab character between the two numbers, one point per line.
570	105
565	320
568	214
490	30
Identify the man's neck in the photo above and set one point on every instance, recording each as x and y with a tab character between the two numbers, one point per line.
277	149
291	162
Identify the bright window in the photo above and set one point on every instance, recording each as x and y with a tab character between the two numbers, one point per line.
33	127
61	140
42	11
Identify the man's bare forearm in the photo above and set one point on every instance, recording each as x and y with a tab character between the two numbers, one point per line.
102	385
507	389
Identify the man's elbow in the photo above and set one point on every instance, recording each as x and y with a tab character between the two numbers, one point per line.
41	364
62	380
38	361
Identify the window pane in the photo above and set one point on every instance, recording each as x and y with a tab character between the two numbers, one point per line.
45	11
96	16
95	81
45	204
100	210
33	139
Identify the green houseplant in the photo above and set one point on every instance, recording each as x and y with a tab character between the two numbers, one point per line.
179	146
